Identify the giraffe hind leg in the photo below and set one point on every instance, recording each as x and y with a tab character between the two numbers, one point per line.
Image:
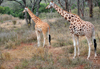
44	36
89	44
38	38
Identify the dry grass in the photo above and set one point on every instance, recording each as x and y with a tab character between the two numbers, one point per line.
14	38
8	22
6	17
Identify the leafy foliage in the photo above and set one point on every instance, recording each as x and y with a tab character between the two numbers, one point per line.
18	12
7	10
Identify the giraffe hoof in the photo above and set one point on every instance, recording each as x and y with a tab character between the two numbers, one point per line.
73	57
78	54
88	58
95	57
49	47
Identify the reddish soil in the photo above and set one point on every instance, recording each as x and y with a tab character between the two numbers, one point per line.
56	52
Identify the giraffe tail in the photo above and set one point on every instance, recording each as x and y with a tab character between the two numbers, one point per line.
95	44
49	36
49	39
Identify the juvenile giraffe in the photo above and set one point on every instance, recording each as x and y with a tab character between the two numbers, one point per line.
78	27
40	27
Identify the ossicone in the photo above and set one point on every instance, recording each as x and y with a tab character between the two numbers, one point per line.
52	1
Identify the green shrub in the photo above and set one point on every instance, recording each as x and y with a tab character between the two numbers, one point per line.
18	12
2	10
7	10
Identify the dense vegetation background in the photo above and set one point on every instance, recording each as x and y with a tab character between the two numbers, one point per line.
15	7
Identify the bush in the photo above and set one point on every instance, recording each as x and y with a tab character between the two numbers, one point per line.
18	12
7	10
2	9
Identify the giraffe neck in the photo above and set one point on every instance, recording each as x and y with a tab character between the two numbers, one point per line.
67	15
34	17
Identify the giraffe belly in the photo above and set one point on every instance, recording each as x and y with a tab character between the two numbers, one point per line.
39	29
77	32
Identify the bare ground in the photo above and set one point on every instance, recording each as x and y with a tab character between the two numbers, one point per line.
25	51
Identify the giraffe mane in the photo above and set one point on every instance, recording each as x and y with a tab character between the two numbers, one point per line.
73	14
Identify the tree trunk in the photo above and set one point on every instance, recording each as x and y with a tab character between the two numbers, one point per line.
38	6
78	3
83	9
32	9
1	1
26	18
70	6
51	10
63	6
66	5
36	2
90	8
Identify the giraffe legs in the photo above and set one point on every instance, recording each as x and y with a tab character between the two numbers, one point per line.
78	45
44	36
38	38
49	38
74	43
89	44
95	44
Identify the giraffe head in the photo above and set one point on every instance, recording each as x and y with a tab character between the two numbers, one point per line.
25	10
51	5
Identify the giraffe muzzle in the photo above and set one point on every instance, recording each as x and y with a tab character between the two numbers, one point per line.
46	8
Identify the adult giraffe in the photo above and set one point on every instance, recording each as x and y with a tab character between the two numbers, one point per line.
40	27
78	27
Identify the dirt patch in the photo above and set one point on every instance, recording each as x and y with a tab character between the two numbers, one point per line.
56	50
96	61
25	51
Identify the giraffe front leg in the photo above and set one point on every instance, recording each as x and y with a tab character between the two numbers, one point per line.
74	43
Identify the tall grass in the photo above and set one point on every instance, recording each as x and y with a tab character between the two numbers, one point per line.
49	15
6	17
12	38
